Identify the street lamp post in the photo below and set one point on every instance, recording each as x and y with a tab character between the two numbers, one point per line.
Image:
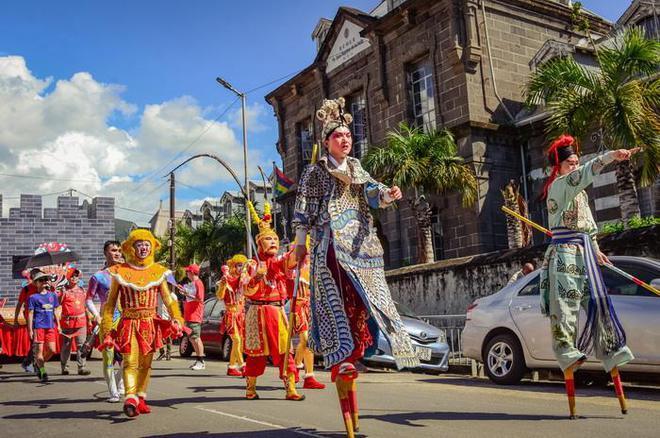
243	97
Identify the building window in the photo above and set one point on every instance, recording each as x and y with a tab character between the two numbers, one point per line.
420	86
305	139
394	3
357	107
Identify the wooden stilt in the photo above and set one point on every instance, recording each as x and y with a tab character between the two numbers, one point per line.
569	381
345	405
618	388
352	399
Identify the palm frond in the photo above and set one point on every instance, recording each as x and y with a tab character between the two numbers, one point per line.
555	77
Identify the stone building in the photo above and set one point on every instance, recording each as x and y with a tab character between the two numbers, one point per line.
457	64
84	228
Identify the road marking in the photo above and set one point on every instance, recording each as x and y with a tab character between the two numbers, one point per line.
262	423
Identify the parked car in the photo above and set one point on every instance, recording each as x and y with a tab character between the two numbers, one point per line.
429	343
507	332
214	342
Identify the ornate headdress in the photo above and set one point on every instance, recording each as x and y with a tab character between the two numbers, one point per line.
235	260
129	251
262	222
332	116
559	150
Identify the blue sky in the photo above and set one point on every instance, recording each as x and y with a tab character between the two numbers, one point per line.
159	51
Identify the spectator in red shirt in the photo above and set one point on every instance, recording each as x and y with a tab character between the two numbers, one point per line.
73	321
193	312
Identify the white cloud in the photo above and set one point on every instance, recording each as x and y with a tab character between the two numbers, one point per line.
63	132
255	114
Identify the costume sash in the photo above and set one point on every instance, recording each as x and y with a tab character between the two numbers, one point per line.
602	326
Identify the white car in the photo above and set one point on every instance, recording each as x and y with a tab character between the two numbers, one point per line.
507	332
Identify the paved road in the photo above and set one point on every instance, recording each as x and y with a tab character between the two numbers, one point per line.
210	404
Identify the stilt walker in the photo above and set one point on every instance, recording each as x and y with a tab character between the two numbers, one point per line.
571	276
230	290
350	302
266	326
136	284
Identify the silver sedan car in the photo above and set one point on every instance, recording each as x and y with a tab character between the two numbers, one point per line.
429	342
507	332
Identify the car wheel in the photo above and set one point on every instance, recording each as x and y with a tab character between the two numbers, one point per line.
226	349
505	363
185	347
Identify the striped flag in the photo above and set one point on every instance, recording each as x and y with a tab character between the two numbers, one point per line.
282	183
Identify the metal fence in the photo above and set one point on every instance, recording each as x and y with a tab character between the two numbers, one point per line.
452	326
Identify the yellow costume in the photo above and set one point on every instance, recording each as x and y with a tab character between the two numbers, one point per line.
230	290
136	284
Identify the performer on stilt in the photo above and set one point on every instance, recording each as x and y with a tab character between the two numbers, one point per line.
230	289
301	320
97	289
351	303
266	327
571	277
136	285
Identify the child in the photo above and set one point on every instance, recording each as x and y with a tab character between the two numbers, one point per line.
43	321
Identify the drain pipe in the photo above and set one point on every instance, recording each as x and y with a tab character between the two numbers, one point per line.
499	98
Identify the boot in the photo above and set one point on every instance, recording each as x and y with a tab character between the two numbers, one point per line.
312	383
142	407
353	404
131	406
291	393
251	390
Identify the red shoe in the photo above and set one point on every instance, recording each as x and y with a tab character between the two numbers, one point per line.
312	383
234	372
142	407
131	407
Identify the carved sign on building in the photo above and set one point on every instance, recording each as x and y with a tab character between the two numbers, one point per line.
348	44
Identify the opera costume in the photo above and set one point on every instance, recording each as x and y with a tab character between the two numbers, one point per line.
136	285
230	290
571	276
266	327
351	303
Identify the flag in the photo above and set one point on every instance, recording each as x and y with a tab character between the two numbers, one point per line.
282	183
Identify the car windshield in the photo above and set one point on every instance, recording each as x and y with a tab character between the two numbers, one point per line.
405	310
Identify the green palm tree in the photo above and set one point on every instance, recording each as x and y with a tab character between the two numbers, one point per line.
618	101
424	163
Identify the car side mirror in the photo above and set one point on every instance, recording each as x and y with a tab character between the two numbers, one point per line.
655	283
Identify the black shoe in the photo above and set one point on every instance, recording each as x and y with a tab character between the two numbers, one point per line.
168	356
84	372
65	372
44	377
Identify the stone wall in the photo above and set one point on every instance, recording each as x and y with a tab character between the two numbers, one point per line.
84	228
449	286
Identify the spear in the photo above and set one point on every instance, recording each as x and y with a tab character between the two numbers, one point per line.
613	268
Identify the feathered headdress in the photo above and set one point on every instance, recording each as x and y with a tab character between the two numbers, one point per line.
262	222
332	116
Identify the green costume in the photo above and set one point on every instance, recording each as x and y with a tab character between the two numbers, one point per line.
570	272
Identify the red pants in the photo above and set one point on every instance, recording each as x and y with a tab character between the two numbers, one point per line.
256	365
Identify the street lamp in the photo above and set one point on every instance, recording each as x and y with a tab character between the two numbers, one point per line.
248	226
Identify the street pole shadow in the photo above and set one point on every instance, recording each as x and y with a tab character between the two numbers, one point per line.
114	417
279	433
632	393
196	389
407	418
